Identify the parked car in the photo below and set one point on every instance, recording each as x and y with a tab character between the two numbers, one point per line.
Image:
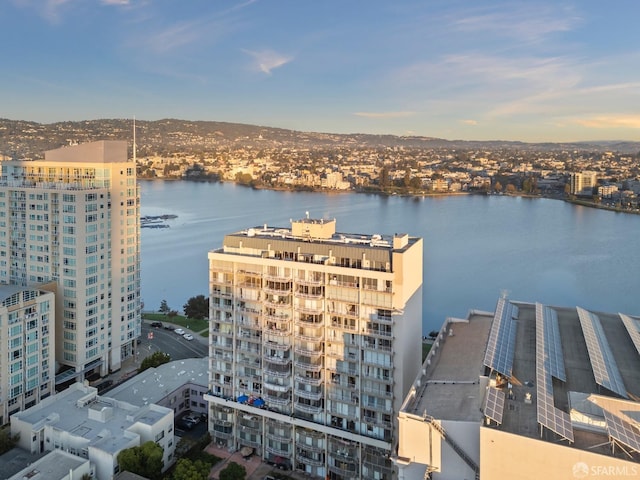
191	418
179	331
169	327
185	424
156	324
187	336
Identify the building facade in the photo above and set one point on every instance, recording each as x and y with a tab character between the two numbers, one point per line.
27	347
74	218
582	184
315	338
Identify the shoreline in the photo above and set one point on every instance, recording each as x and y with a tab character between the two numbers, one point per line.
582	203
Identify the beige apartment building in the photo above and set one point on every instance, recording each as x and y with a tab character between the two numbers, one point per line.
73	218
315	339
529	391
27	347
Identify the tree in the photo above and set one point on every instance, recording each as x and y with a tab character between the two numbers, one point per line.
497	186
187	469
383	179
164	307
154	360
197	307
7	442
145	460
233	472
511	188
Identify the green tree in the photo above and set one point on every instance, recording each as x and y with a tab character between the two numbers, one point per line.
164	307
197	307
233	471
154	360
7	441
187	469
383	179
145	460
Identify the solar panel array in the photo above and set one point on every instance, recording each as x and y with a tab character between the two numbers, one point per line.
633	327
494	404
502	338
548	334
603	364
622	431
549	362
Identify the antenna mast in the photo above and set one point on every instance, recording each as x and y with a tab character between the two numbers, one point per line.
134	140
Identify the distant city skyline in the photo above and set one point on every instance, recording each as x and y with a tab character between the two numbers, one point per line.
531	71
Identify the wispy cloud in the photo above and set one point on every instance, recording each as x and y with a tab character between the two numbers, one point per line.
524	22
115	2
267	60
610	121
469	122
384	114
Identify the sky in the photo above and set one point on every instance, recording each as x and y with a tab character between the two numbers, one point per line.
533	70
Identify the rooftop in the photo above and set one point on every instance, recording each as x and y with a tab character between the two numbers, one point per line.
538	402
99	420
154	384
54	466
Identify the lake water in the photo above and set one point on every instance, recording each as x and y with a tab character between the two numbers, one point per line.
475	247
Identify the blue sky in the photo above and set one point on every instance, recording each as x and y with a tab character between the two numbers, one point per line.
459	69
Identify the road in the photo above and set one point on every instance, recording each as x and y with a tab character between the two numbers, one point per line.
170	342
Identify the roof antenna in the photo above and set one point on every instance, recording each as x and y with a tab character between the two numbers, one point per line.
307	214
134	140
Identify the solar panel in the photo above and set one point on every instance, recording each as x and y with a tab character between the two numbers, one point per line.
633	327
548	335
603	364
549	361
553	418
622	431
494	404
502	338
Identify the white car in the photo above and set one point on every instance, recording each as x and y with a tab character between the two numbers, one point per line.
179	331
187	336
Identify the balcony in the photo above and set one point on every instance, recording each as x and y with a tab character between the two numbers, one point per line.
308	380
309	351
278	451
277	278
276	332
276	372
309	337
309	459
312	320
278	318
276	400
281	347
227	293
318	280
309	395
273	434
311	367
310	310
309	294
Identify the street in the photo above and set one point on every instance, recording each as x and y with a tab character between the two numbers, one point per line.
170	342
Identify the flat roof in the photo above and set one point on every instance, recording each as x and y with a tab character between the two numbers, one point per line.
449	387
53	466
99	420
154	384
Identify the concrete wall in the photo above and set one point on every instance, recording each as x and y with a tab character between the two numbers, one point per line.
504	455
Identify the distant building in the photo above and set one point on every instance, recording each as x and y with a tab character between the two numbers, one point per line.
494	399
74	218
314	340
57	465
27	347
607	191
581	184
92	427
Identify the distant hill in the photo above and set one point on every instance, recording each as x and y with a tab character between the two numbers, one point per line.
28	140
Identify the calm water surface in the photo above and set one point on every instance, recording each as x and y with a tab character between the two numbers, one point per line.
475	247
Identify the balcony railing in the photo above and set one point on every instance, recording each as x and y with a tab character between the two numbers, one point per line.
308	380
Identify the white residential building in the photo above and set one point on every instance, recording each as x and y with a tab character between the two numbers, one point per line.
315	339
97	428
27	346
74	218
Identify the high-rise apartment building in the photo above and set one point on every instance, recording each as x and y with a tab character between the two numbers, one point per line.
315	339
74	218
27	336
581	184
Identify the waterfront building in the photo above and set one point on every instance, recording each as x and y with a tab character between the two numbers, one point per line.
82	423
581	184
528	391
27	346
73	218
315	338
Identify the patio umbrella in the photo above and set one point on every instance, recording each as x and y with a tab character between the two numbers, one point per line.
258	402
243	398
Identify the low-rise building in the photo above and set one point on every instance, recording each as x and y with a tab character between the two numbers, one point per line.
79	421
